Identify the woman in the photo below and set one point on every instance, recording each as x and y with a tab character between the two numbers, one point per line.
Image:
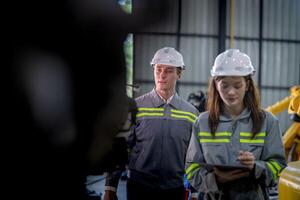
234	131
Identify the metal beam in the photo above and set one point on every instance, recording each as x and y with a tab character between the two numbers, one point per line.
222	25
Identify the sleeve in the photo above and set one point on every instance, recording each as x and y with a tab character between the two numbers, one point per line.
199	178
112	180
131	140
272	161
197	113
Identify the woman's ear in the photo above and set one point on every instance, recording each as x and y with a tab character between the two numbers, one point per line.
247	84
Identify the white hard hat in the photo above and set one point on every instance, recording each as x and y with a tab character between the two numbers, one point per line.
232	62
168	56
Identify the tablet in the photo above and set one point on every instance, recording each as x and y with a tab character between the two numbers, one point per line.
224	167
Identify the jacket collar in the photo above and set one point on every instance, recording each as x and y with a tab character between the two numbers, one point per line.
175	102
244	114
158	101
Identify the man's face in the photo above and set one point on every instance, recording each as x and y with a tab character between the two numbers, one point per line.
165	77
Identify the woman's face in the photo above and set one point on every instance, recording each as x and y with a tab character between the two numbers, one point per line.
232	91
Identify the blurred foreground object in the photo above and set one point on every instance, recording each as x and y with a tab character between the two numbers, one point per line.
65	90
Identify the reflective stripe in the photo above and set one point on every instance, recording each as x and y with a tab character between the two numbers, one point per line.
184	112
223	134
245	134
183	117
151	109
204	134
251	141
260	141
192	167
275	164
275	168
260	135
189	176
214	140
216	134
191	170
274	172
250	134
150	114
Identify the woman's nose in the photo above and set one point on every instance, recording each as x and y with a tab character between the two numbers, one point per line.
231	90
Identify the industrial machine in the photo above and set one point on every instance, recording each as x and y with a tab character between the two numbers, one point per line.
289	182
291	138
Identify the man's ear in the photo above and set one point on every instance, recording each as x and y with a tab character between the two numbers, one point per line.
179	72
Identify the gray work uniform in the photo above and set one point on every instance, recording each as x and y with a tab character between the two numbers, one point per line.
231	137
159	141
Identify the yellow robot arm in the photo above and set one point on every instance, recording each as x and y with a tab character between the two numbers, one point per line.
291	138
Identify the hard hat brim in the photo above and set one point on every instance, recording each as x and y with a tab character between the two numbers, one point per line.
231	73
168	64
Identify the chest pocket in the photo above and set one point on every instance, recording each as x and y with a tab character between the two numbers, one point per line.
214	147
180	129
214	153
254	145
256	149
181	124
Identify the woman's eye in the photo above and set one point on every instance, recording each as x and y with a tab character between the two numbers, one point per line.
237	86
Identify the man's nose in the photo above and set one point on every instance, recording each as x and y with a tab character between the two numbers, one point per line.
163	73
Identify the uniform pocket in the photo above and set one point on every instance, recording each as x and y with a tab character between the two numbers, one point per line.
180	129
214	153
256	149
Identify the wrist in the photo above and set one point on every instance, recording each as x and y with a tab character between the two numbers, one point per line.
110	188
194	195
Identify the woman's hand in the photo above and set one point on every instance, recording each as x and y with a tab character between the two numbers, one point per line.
226	176
247	158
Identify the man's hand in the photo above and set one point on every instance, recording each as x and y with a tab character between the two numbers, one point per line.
247	158
110	195
226	176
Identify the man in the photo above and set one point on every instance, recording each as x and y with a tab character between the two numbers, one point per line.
160	138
